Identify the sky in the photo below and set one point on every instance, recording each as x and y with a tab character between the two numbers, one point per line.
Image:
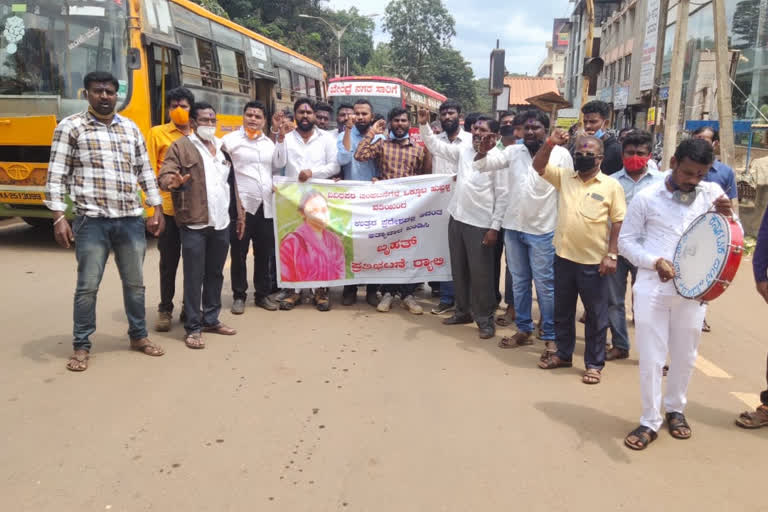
522	27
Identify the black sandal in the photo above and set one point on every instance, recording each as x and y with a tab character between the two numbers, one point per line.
675	422
644	435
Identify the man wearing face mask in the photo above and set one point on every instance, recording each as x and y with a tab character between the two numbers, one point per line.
255	162
396	157
356	127
591	208
596	116
473	228
634	177
665	322
179	101
205	199
530	217
308	152
450	110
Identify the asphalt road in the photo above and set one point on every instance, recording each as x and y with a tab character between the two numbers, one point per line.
351	410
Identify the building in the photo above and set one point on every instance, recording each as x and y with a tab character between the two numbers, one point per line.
553	65
523	87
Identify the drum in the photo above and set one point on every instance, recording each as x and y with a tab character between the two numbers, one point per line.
707	257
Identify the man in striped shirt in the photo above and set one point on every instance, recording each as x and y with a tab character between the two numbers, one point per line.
396	157
97	157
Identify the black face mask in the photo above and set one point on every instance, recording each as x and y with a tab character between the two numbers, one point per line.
533	146
583	163
450	126
507	130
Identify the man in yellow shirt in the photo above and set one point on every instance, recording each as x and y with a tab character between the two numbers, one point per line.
179	101
591	208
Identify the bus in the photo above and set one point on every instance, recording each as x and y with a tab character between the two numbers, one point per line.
385	93
151	46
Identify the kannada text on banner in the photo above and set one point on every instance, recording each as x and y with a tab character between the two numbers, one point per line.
355	232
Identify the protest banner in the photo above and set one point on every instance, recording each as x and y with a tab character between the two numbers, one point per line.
357	232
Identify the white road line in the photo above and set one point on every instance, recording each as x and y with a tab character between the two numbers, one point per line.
751	399
710	369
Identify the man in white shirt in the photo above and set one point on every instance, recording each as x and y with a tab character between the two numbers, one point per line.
204	199
530	218
308	152
255	161
474	225
451	133
665	322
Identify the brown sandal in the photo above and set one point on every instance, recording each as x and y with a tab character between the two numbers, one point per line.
194	340
550	348
552	362
519	339
145	346
754	419
220	328
78	362
591	376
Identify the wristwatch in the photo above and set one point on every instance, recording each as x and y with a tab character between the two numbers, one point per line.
613	256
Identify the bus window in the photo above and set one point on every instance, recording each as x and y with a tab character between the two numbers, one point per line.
228	66
312	89
208	71
242	74
285	82
190	66
299	84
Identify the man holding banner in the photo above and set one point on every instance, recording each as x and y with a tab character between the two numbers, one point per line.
397	157
474	224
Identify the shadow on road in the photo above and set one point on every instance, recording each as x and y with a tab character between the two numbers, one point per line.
24	236
59	346
593	426
697	412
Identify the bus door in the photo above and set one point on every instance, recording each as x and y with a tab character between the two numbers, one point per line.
163	76
263	90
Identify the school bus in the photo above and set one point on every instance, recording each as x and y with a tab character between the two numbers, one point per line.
48	46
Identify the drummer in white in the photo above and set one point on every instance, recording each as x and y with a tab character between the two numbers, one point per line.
664	321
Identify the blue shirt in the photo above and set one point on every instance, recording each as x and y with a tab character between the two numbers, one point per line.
352	169
723	175
632	187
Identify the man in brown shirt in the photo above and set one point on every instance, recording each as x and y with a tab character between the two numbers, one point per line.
396	157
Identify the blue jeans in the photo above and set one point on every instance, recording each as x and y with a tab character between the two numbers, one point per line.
447	292
204	253
532	257
95	237
617	292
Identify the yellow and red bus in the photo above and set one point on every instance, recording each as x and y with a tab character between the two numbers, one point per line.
48	46
384	93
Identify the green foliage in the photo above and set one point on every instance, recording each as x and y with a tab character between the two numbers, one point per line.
484	101
381	61
213	6
450	74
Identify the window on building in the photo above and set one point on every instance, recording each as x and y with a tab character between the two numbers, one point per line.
627	66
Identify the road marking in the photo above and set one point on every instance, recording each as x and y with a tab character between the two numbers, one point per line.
710	369
751	399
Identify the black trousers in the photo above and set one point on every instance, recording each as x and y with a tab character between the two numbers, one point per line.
205	252
351	289
169	245
472	265
403	289
259	232
571	281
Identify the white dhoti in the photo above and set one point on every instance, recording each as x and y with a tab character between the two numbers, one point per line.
665	323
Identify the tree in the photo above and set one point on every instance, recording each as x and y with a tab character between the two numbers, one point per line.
484	102
380	62
419	29
449	74
213	6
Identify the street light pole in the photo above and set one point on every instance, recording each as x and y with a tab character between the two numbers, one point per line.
339	33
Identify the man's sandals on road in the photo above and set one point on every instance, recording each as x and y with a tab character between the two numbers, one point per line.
640	438
754	419
551	361
78	362
519	339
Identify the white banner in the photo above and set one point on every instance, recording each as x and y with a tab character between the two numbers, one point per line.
364	89
356	232
648	60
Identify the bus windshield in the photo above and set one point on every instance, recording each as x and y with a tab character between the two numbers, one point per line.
48	46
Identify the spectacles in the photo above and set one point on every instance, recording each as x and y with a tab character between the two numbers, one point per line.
589	155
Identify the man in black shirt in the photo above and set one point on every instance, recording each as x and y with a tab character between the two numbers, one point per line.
596	116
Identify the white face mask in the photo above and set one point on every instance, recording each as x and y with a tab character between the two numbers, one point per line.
207	133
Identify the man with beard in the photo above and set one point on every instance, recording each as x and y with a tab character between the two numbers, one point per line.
667	324
397	157
98	160
451	134
308	153
634	177
530	217
342	113
323	113
586	249
356	127
596	116
473	229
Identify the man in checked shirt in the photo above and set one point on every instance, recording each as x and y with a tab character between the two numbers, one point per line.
98	157
396	157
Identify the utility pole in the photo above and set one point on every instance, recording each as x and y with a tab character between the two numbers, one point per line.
675	83
722	61
655	99
590	8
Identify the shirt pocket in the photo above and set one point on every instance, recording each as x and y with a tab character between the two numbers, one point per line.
593	207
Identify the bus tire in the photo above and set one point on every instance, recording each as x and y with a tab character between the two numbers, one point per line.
38	222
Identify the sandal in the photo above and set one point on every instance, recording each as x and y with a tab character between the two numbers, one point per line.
220	328
289	302
145	346
194	340
754	419
591	376
643	437
79	361
676	425
519	339
552	362
551	348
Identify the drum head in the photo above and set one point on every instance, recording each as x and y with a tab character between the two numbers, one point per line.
701	255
